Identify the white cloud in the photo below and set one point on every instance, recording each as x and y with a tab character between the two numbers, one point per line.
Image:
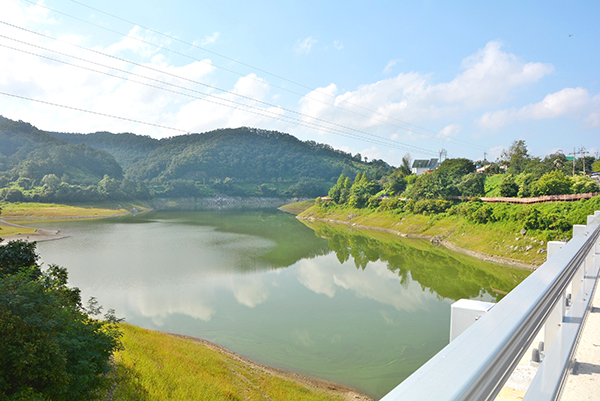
390	65
250	292
338	44
304	46
381	286
449	131
210	39
495	152
217	111
568	102
136	41
22	15
489	77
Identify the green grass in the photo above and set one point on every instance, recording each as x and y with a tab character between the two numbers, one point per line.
32	211
50	210
6	231
298	207
158	366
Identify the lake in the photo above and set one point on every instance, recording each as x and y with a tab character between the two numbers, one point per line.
361	308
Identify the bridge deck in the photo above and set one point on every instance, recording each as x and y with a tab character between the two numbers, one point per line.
584	381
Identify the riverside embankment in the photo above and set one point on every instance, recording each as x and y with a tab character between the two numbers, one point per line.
500	242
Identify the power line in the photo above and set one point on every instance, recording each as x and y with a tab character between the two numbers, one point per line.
112	115
93	112
406	126
387	142
281	118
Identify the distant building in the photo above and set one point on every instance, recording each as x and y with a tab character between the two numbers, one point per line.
483	169
421	166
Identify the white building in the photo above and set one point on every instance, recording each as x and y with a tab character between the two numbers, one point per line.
421	166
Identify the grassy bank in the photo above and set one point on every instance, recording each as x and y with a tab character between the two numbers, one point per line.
33	211
160	366
17	213
297	207
500	240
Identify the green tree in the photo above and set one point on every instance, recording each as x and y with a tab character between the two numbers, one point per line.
394	184
584	185
472	184
109	187
362	190
14	195
508	187
596	166
335	192
51	181
527	185
516	156
405	167
430	186
51	348
455	169
554	183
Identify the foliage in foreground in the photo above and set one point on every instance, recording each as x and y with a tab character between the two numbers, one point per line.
51	347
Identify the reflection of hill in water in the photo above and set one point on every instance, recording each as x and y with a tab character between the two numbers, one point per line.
449	274
293	241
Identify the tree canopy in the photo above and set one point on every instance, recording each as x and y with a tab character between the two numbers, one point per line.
52	348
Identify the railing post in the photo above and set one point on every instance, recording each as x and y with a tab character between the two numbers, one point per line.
556	316
580	274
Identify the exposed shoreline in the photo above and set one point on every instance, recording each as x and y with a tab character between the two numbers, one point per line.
307	381
436	240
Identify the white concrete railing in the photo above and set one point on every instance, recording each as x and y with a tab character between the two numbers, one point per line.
477	363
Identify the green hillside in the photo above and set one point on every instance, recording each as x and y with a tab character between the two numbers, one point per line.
50	166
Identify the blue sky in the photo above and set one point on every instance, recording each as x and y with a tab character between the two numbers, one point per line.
379	78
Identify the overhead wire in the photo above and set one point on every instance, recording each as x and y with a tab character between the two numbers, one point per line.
281	118
405	125
357	135
92	112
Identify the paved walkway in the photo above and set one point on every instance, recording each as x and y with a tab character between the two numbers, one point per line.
583	382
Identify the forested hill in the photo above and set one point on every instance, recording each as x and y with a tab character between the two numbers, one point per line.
240	162
28	153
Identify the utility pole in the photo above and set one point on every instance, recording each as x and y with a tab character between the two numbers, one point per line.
583	153
443	154
574	157
484	157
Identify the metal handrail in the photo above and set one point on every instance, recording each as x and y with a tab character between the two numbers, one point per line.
476	365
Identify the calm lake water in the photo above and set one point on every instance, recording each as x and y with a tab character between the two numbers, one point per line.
360	308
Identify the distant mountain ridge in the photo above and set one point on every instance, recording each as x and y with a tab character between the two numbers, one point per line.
236	161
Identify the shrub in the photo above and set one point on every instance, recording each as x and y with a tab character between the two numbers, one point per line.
432	206
389	204
373	202
472	184
51	348
508	186
530	218
483	214
583	185
553	183
526	182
